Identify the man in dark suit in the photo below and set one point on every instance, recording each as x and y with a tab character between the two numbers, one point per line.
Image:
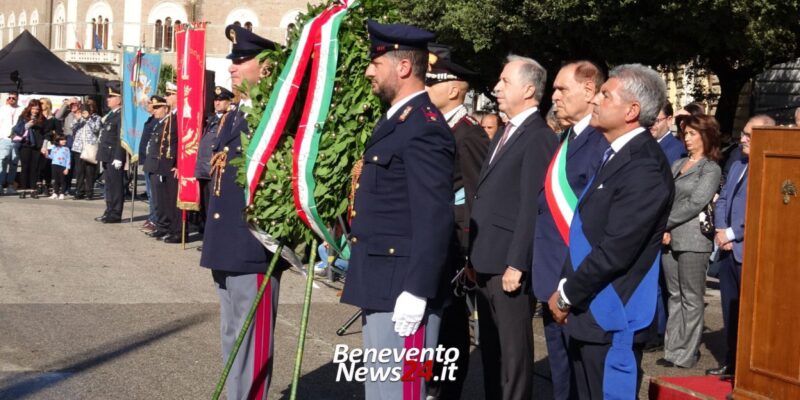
609	281
577	159
113	156
237	260
501	230
446	83
729	222
402	218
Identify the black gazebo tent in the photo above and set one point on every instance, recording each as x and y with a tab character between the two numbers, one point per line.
27	66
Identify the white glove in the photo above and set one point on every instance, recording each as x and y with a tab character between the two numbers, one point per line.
408	313
117	164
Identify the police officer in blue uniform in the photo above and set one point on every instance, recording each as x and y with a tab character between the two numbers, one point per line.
402	217
113	156
238	261
202	171
162	151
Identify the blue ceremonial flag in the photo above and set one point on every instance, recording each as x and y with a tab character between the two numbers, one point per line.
139	82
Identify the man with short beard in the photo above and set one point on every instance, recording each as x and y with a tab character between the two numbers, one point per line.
402	219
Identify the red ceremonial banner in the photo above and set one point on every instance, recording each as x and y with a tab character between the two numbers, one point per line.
191	55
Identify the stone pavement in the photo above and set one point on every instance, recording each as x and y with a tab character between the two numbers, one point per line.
93	311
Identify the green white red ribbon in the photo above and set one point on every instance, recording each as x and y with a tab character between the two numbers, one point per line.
318	40
559	195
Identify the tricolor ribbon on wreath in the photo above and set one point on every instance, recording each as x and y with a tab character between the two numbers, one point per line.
318	45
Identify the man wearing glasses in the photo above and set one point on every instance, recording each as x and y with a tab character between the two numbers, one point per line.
9	113
673	148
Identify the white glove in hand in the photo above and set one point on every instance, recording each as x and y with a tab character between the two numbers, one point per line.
408	312
117	164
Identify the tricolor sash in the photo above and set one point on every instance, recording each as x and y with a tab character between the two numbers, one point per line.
561	200
318	45
622	320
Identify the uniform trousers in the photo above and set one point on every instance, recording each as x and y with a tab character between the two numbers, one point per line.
557	342
114	191
506	338
378	333
588	365
685	273
251	371
168	216
148	189
454	333
730	280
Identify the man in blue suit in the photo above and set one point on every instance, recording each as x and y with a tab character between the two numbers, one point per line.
610	277
237	260
402	217
729	220
573	90
673	148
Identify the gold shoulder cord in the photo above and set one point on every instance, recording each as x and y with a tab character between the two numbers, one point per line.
355	174
219	161
166	131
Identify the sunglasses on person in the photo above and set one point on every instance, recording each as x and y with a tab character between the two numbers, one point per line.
11	98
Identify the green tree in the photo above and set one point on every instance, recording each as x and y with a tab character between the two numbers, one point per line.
734	39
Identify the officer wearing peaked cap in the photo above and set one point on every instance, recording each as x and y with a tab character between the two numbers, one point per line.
222	104
402	218
446	83
113	156
238	261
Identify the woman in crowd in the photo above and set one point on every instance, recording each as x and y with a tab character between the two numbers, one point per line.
50	129
85	130
688	248
28	133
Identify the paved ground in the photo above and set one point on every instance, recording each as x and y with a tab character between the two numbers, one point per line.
93	311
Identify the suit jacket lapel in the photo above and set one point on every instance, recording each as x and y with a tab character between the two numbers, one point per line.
488	166
612	166
578	142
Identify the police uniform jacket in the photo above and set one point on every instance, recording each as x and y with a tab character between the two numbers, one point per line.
162	149
228	244
202	169
109	147
402	219
147	132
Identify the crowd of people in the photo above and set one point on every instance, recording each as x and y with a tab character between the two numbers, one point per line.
598	211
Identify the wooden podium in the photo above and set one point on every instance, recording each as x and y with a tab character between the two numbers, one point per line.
768	352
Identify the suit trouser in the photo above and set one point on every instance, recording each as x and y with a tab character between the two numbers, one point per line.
454	333
557	342
730	279
251	371
114	191
685	273
588	365
378	333
506	338
167	212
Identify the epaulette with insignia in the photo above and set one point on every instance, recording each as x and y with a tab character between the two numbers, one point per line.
405	113
471	120
431	115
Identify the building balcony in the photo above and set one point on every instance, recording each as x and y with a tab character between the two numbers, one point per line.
75	56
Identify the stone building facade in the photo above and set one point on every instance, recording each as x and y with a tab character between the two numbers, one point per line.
90	34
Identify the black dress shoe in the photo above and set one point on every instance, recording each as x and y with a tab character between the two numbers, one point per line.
101	218
654	346
112	220
199	248
665	363
723	370
157	234
172	239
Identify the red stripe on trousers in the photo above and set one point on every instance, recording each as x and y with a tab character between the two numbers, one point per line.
261	342
412	390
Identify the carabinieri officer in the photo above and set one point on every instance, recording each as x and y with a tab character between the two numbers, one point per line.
238	261
402	218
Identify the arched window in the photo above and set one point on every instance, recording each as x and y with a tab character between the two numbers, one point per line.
289	23
166	17
2	25
22	21
34	21
59	16
99	26
11	25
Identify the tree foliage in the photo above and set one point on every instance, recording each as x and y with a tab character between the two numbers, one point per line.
734	39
